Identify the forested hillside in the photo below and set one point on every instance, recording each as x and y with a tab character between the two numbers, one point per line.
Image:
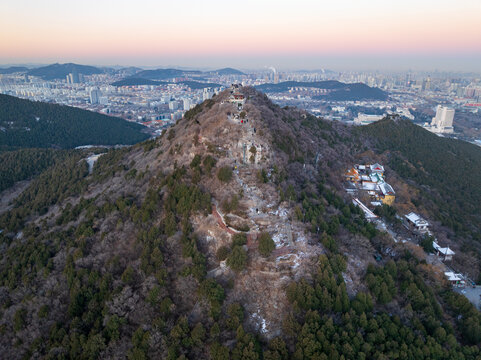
26	163
28	124
179	248
447	172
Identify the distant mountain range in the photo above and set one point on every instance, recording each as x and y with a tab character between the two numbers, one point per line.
60	71
338	91
27	124
13	69
163	74
133	81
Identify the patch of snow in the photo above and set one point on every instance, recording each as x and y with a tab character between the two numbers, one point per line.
301	239
279	239
260	321
294	258
91	161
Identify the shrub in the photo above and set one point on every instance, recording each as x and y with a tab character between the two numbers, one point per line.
230	205
128	275
43	311
209	163
237	260
195	162
266	244
235	314
262	176
222	253
224	174
239	239
19	319
427	244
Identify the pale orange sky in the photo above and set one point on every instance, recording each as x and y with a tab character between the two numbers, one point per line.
301	32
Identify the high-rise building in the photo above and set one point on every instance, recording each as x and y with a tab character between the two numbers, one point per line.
95	96
443	121
276	78
427	84
186	103
207	94
73	78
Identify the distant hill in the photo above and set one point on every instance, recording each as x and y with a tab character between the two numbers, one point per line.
25	124
13	69
339	91
129	71
200	85
132	81
60	71
165	74
228	71
162	74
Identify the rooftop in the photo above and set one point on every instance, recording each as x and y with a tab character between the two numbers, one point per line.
416	219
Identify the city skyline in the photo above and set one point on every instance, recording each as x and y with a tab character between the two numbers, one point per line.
349	34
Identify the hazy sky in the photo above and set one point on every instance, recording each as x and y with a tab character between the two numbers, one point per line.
338	34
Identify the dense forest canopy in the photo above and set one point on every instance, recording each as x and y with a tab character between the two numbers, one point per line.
25	123
26	163
446	171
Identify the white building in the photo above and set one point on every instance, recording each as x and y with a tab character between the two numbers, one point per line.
443	121
365	119
446	252
187	103
94	96
207	94
173	105
417	223
456	280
